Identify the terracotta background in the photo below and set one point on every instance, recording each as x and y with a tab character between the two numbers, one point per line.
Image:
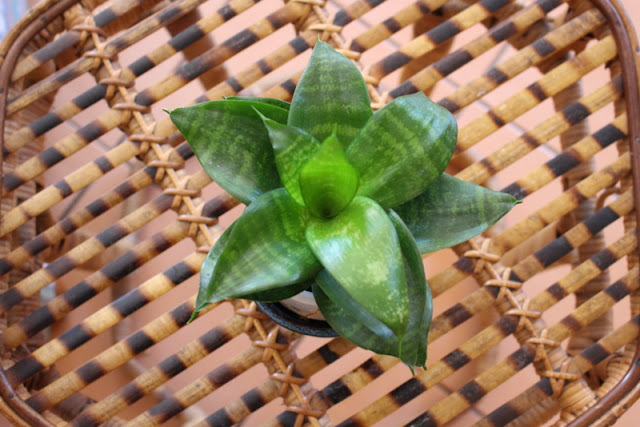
398	374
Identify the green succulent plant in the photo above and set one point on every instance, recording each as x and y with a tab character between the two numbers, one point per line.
339	199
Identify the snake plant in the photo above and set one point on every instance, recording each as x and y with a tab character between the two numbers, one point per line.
339	199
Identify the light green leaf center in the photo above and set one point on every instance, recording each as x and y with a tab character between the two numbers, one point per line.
328	182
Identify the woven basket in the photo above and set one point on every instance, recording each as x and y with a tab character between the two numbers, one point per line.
107	216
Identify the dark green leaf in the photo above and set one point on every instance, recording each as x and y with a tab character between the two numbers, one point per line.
232	144
452	211
360	249
271	101
266	249
328	182
202	300
358	325
348	324
356	312
331	93
414	342
293	147
403	148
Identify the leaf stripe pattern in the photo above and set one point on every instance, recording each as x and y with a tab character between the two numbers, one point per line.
74	260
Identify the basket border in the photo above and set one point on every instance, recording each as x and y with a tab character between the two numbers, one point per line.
20	34
628	52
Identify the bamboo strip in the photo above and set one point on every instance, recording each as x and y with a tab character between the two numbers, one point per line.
68	39
220	53
528	227
85	63
479	344
123	351
489	297
144	383
454	404
548	85
148	96
482	299
553	126
427	42
89	173
558	39
582	362
59	231
103	319
103	278
199	389
382	31
271	62
134	70
94	245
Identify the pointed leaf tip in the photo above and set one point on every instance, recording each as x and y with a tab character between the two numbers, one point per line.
402	149
206	270
327	181
356	323
452	211
331	92
232	144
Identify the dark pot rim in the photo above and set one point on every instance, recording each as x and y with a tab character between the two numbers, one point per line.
293	321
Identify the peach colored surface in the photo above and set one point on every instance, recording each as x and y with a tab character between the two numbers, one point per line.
394	377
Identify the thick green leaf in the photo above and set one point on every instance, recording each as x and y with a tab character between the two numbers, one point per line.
347	322
202	300
330	94
356	313
271	101
414	341
360	249
266	249
293	148
451	211
232	144
403	148
359	326
328	182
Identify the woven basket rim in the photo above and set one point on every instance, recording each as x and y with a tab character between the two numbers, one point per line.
628	52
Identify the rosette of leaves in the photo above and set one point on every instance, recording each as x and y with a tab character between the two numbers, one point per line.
339	200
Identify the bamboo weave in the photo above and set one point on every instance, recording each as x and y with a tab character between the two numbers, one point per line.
107	217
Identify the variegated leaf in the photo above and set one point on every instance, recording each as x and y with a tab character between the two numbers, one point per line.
360	249
232	144
331	95
402	149
451	211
